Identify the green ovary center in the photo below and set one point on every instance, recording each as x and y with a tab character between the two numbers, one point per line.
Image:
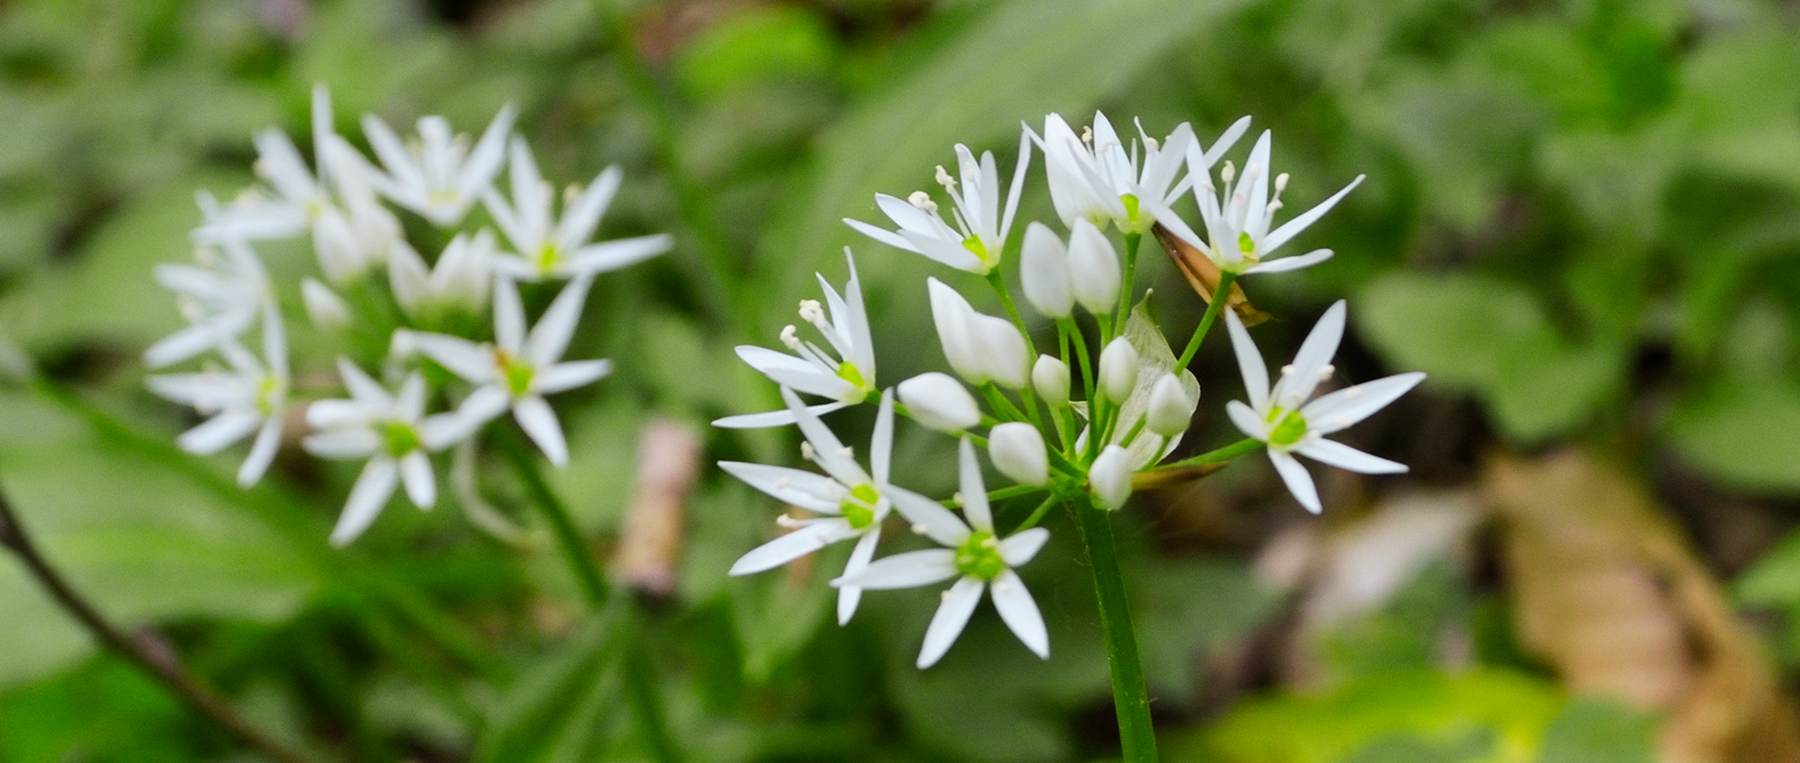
850	373
974	244
547	257
400	438
1131	207
266	393
859	506
1289	428
979	557
518	375
1246	244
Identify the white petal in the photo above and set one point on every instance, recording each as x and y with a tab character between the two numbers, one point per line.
488	155
612	255
888	237
881	444
939	523
1285	264
535	416
1020	612
974	493
1250	362
261	453
1256	172
367	393
1350	405
1247	420
408	277
1345	457
849	596
370	494
791	546
550	337
421	484
410	404
581	217
471	361
1020	548
959	603
343	443
219	431
1293	227
909	570
483	405
773	418
509	316
1298	481
567	376
855	322
1299	380
442	430
813	492
830	452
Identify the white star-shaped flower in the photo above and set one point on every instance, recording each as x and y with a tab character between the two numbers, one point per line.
976	243
847	379
1104	181
518	370
392	432
251	397
459	283
854	502
1282	418
560	248
1238	219
973	556
221	298
439	176
299	193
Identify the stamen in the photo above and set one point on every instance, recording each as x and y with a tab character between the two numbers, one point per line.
782	483
1327	371
1002	586
1281	182
923	201
1227	172
1287	369
1087	135
810	311
846	451
944	179
786	521
1353	393
919	528
789	338
807	452
945	596
957	497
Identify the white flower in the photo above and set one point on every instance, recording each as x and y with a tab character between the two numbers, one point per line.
326	309
1109	478
438	176
980	348
299	194
1093	268
939	401
460	282
517	371
1170	410
392	432
1017	450
1100	180
357	235
855	502
976	243
560	248
251	397
1282	418
1044	272
221	297
1118	369
847	379
972	555
1238	219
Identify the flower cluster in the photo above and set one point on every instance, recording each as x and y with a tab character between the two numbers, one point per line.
414	307
1136	397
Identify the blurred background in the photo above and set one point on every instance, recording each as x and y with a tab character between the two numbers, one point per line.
1580	219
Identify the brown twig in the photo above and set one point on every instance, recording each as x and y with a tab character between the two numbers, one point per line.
157	660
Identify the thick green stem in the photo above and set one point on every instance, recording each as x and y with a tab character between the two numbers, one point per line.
1137	738
1125	286
1220	297
1226	453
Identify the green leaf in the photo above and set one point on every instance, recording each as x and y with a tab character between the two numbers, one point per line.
1747	434
1185	609
1598	731
551	713
763	42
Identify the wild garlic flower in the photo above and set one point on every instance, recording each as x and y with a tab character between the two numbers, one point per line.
459	283
250	397
221	298
550	248
438	176
1282	417
854	502
848	378
971	554
1095	177
300	194
392	432
518	370
1238	219
977	241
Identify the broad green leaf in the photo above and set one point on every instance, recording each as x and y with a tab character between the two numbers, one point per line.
1598	731
761	42
1747	434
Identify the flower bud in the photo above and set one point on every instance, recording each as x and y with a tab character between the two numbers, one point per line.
1109	479
1118	370
940	402
1093	268
1044	272
1001	347
951	313
326	309
1017	450
1170	409
1051	378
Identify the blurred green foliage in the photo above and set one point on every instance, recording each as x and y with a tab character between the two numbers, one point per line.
1580	214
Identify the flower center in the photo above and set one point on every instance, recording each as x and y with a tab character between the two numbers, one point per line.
441	197
399	438
859	506
547	257
1290	427
850	373
1245	243
1131	207
979	556
519	375
268	392
974	244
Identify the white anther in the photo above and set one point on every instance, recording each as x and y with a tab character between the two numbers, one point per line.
944	179
786	521
920	528
1341	421
789	337
1151	143
846	451
806	451
1327	371
945	596
957	497
782	484
811	312
1287	369
1227	172
1281	182
923	201
1087	135
1273	207
1002	587
1353	393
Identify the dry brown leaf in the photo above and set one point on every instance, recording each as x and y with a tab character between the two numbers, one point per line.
650	545
1606	591
1204	276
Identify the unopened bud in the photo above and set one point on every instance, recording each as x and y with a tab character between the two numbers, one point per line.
326	309
939	401
952	315
1017	450
1170	409
1050	377
1044	272
1118	369
1110	477
999	343
1093	268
